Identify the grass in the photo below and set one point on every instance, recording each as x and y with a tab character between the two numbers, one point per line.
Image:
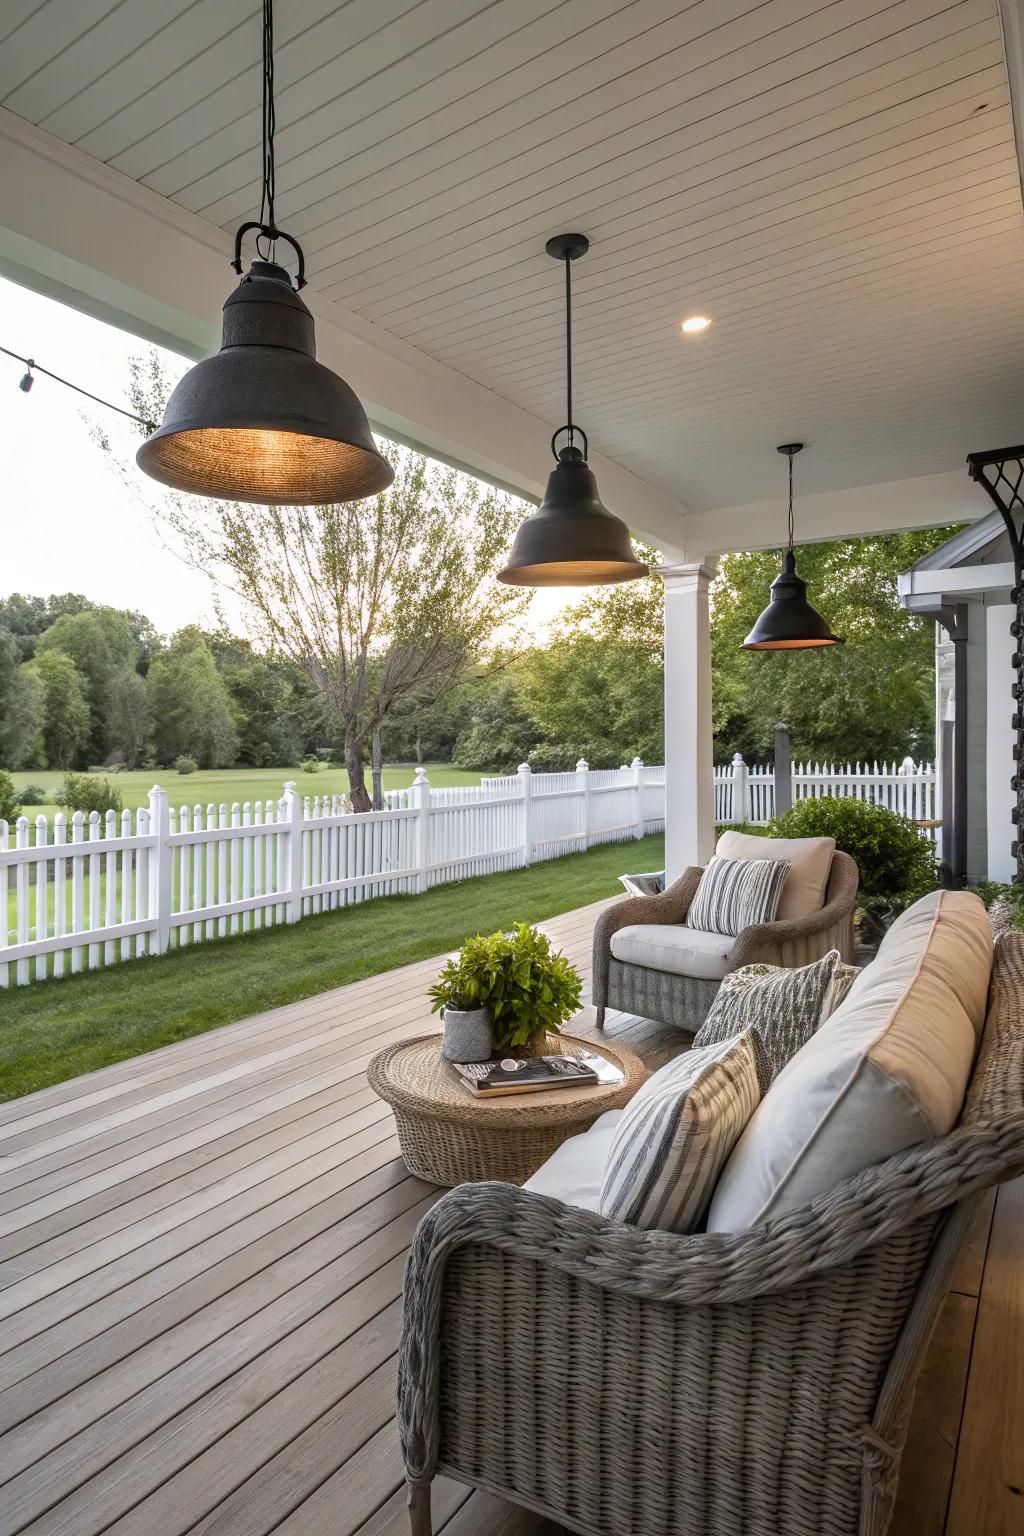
230	784
53	1030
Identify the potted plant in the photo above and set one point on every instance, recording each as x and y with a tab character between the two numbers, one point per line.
526	990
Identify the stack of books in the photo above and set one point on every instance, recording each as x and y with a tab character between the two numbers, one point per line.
536	1074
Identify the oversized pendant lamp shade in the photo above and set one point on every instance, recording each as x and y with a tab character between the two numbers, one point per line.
572	540
262	420
789	623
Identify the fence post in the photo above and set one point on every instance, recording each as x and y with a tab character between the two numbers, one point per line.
637	766
293	814
739	804
783	771
526	790
583	769
160	870
421	802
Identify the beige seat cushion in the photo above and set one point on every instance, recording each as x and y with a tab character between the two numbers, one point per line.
675	948
575	1171
809	860
887	1071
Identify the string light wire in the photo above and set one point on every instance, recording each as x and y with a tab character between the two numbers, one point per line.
33	367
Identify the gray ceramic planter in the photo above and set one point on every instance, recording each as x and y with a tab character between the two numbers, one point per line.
468	1036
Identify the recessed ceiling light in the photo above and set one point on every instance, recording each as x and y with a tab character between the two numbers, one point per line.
694	324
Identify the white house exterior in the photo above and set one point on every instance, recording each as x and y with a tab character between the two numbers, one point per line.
965	586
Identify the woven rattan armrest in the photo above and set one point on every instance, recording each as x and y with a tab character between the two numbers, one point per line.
669	906
764	941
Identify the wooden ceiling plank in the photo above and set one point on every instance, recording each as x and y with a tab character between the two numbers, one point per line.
750	128
43	37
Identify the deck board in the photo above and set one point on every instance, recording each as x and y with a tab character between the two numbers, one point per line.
201	1257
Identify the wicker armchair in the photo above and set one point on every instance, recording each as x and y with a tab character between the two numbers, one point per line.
685	1000
622	1381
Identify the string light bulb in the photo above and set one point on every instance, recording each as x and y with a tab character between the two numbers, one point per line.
27	379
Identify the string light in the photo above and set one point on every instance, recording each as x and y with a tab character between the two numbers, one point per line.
32	368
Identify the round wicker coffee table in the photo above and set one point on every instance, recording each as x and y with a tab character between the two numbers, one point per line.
448	1137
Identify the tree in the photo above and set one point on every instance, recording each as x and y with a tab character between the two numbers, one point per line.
870	698
21	708
65	708
127	717
375	601
101	644
190	705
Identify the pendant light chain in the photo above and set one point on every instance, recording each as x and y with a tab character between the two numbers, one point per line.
267	214
568	350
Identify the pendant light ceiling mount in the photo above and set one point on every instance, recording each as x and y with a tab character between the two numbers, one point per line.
789	623
572	540
263	421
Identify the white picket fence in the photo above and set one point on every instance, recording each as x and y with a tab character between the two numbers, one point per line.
88	891
746	793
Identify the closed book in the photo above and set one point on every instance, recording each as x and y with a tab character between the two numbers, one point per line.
536	1074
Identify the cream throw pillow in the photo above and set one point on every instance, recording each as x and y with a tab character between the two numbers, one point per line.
887	1071
809	860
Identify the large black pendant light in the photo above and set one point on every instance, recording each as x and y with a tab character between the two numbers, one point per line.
789	623
263	421
571	540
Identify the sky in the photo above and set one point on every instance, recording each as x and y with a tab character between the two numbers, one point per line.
70	521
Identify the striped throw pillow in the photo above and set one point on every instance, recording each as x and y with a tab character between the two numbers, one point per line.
734	893
674	1137
781	1006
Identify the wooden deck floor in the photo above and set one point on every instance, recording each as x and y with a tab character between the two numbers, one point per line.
200	1287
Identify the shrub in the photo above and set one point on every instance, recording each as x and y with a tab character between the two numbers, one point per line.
896	864
311	765
84	792
1005	903
10	801
33	794
526	987
185	764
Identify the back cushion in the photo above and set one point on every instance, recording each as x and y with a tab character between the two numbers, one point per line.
809	860
888	1070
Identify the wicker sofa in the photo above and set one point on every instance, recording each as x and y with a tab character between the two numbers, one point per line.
676	997
753	1383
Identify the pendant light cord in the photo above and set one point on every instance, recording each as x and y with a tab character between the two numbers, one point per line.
568	350
790	457
267	215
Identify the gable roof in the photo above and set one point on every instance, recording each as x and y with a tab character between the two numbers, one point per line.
964	546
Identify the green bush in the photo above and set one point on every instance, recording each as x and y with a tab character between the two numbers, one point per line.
896	864
33	794
185	764
1009	896
526	987
311	765
84	792
10	801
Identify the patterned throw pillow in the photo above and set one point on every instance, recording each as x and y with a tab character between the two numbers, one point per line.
674	1136
781	1006
734	893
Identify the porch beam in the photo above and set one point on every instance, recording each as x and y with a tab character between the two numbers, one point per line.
91	237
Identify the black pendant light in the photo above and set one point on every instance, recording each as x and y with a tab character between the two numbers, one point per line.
263	421
571	540
789	623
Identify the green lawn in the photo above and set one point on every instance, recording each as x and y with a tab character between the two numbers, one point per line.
241	784
53	1030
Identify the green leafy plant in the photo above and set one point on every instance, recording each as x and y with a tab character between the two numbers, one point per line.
896	864
311	765
1011	897
33	794
10	800
185	764
84	792
528	987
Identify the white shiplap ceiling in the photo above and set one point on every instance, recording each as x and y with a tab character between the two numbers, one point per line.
835	184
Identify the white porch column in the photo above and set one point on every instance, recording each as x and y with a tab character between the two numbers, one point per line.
689	763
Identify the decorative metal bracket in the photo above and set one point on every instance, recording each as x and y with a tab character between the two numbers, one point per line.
1001	472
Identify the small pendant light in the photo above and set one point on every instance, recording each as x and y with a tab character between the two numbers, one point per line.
571	540
263	421
789	623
